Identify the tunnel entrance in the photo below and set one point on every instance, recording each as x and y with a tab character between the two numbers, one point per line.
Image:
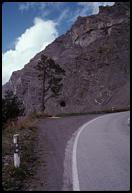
62	104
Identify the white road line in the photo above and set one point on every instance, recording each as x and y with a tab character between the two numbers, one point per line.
76	186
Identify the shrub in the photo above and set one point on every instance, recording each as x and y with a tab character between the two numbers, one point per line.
12	107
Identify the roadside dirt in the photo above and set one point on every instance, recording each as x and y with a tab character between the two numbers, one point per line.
51	148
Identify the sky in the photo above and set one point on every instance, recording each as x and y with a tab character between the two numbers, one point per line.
28	27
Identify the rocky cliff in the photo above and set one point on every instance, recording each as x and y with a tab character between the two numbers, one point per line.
95	56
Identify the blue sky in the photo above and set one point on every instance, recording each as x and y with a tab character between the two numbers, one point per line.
28	27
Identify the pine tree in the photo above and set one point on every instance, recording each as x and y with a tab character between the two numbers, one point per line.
50	74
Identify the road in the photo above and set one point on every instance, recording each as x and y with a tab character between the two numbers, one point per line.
53	136
101	154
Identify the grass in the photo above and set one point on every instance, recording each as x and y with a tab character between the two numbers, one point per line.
13	178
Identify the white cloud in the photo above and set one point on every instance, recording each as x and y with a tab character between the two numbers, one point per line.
32	41
44	8
25	6
38	5
62	16
93	5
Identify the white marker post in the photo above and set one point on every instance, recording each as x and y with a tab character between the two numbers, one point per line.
113	108
128	121
16	151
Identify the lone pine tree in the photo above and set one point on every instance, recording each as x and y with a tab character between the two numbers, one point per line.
50	74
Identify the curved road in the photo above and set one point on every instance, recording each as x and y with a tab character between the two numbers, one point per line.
101	154
53	135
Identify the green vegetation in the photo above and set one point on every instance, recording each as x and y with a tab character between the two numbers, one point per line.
13	178
50	74
12	107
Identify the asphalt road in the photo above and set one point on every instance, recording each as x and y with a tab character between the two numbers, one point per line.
101	154
53	135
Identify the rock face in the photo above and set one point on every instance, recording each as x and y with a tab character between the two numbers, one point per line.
95	56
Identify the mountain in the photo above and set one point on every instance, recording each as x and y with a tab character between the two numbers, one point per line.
95	56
